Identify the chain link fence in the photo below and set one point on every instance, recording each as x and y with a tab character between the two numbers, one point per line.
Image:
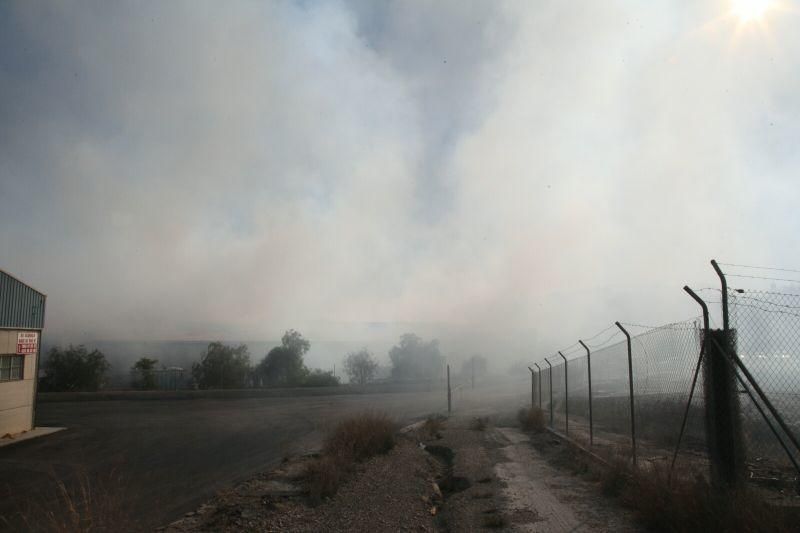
667	387
644	395
767	326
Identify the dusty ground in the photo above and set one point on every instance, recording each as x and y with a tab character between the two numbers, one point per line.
467	476
394	492
164	458
563	498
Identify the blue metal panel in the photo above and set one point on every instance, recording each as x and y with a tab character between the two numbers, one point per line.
21	306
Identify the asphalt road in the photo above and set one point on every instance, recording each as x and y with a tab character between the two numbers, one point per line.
165	457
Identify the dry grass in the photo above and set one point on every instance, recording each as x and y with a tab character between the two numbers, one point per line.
480	423
324	475
531	419
433	425
688	503
78	503
614	477
361	436
352	440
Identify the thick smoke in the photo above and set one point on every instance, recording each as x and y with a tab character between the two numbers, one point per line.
506	177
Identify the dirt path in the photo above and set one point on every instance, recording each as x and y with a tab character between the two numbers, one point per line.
551	498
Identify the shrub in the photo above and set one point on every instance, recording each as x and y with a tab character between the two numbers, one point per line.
324	476
479	424
614	476
433	425
361	437
690	503
353	439
531	419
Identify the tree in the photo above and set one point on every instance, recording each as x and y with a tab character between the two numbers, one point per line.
414	358
74	369
294	341
222	367
360	366
283	365
320	378
143	374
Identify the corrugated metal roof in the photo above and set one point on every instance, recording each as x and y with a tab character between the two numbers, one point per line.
21	306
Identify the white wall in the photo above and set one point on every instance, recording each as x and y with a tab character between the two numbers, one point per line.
16	397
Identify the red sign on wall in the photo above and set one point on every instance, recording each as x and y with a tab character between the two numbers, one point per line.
27	342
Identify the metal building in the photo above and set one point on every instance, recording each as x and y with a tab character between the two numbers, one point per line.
21	323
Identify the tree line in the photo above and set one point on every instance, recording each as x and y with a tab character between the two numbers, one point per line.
229	367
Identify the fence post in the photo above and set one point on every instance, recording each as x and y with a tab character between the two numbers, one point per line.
704	307
566	394
723	415
449	405
550	377
630	388
533	389
589	368
539	375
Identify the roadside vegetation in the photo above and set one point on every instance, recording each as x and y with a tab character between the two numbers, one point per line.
143	374
227	366
360	366
84	504
433	426
479	423
351	441
686	502
74	369
531	419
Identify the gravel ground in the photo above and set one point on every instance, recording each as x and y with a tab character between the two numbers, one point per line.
393	492
466	475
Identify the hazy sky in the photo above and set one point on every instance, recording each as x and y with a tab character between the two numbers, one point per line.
524	172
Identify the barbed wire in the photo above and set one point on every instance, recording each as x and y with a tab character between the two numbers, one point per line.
676	326
759	291
762	277
779	311
605	342
767	302
760	267
600	333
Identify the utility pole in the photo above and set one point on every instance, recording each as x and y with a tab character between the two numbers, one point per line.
448	390
473	371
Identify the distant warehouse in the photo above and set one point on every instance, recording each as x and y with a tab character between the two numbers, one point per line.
21	322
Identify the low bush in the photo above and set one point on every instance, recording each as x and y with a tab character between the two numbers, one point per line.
531	419
361	437
480	423
687	502
324	476
354	439
433	425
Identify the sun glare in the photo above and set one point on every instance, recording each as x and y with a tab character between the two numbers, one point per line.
750	10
